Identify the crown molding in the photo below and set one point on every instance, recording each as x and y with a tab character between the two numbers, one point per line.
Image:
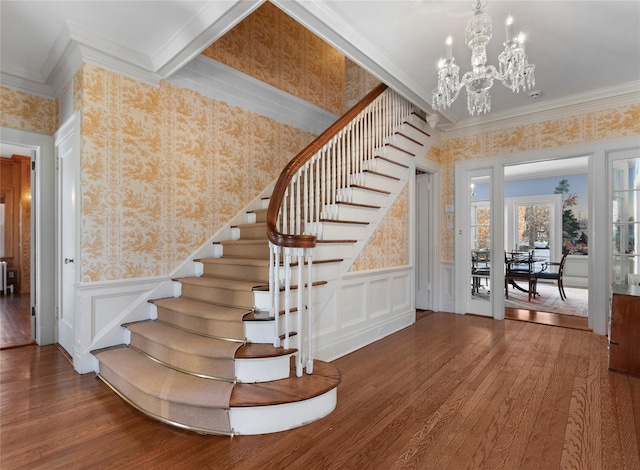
211	23
28	81
76	45
582	103
221	82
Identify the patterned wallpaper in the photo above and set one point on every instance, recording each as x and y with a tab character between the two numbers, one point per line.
163	169
358	82
27	112
389	245
274	48
589	127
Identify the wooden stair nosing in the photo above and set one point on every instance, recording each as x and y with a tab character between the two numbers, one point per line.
410	138
417	128
235	261
262	351
384	175
355	204
391	161
337	241
366	188
325	378
400	149
291	287
337	221
207	281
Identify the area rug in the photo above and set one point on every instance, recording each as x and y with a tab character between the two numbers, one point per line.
577	302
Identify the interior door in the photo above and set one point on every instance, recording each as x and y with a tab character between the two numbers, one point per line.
423	281
478	250
66	155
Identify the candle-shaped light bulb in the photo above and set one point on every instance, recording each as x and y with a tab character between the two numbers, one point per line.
449	47
509	27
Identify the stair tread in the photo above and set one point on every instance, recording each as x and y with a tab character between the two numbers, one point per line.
391	161
248	241
257	262
355	204
366	188
337	221
184	341
261	350
202	309
325	377
220	283
156	380
384	175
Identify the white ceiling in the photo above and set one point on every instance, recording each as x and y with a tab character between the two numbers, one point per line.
584	51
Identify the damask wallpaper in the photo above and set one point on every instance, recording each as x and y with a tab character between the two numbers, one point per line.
163	169
590	127
27	112
274	48
389	245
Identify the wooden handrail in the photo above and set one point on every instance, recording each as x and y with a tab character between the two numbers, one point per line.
308	241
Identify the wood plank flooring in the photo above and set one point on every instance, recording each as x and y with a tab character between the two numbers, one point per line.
15	322
450	392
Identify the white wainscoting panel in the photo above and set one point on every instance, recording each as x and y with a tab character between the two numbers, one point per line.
447	287
370	305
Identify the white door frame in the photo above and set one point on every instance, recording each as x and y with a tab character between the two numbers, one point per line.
432	266
43	230
599	224
67	226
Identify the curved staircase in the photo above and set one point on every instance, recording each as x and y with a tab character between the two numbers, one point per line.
204	362
209	360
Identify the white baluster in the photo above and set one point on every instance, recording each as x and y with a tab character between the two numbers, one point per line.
287	297
300	305
275	267
309	315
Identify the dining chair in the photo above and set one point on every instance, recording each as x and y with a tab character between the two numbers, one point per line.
555	275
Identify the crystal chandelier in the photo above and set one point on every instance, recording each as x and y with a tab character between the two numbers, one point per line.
515	72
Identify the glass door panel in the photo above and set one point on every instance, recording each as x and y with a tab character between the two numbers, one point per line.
625	210
480	244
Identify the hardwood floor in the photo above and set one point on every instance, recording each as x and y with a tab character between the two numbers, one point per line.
546	318
449	392
15	323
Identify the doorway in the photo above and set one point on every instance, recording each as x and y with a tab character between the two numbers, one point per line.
546	217
16	231
42	236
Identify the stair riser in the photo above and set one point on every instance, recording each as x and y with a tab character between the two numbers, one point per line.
336	231
263	302
333	250
256	216
266	419
396	155
388	168
219	328
419	123
321	272
192	416
262	332
259	232
258	251
216	295
406	142
213	367
345	212
263	369
374	181
230	271
363	196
